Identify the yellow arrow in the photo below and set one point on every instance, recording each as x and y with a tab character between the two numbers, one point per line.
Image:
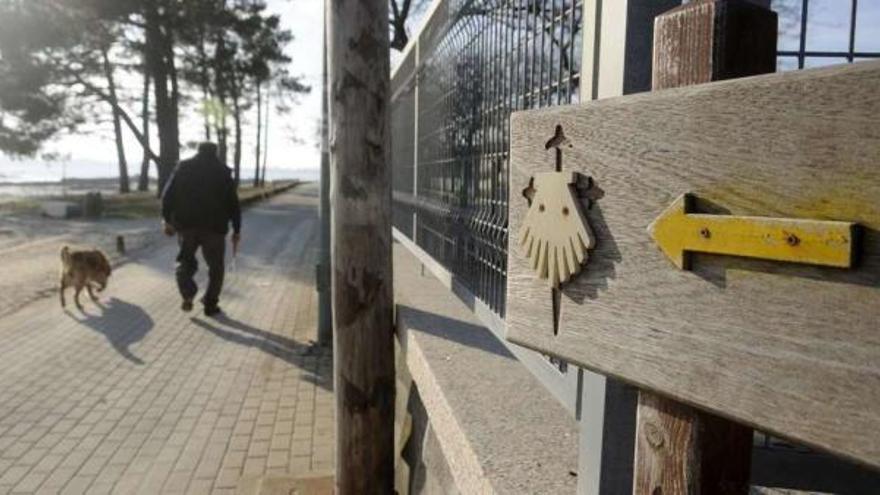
816	242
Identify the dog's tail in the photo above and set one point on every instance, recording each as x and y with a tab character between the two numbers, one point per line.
65	254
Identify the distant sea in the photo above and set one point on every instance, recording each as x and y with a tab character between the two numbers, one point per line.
21	179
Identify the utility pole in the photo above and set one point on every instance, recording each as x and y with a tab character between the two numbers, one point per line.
325	310
360	196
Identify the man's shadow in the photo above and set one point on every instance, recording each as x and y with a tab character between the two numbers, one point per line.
273	344
121	323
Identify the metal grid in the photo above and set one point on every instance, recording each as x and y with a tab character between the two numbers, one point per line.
475	62
838	20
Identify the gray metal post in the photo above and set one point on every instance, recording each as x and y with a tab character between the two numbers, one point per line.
607	435
325	309
415	215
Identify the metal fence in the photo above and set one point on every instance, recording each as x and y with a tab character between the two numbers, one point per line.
476	61
473	63
824	32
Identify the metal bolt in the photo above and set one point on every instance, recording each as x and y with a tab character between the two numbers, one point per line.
792	240
704	233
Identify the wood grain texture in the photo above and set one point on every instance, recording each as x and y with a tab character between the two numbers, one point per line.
689	452
362	284
706	454
791	349
713	40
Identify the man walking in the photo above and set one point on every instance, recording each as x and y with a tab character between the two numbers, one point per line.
198	203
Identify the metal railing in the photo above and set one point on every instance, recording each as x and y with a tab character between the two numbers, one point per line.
473	63
839	40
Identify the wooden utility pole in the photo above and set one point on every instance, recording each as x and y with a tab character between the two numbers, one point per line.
361	245
678	448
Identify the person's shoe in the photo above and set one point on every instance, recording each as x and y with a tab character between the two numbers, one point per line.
212	310
186	305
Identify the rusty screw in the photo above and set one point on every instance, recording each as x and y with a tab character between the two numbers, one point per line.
565	211
704	233
792	240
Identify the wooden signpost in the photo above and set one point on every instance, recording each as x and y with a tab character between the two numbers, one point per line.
774	325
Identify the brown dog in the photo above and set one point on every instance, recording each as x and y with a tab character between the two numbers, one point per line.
83	269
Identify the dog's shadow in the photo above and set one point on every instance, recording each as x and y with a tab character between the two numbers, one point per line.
121	323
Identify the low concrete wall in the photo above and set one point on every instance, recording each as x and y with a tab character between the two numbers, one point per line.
471	417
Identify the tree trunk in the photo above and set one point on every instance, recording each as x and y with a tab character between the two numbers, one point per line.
363	296
266	139
144	179
175	97
257	181
221	94
158	49
206	86
222	130
236	157
117	123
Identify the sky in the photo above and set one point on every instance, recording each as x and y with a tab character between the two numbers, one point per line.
292	137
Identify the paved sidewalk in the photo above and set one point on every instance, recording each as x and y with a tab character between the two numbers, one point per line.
137	397
29	263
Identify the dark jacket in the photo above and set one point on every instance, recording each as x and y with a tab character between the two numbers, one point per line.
201	195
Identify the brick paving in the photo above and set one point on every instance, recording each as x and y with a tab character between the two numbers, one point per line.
138	397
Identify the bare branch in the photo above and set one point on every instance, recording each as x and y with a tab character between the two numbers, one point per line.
122	113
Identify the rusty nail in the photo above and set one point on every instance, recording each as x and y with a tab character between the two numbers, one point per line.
704	233
540	207
565	210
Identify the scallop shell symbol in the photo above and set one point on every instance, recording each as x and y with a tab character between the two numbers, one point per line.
555	235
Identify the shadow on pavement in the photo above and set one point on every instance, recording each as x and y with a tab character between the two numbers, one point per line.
273	344
122	323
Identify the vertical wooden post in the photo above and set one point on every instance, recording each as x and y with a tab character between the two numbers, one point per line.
680	450
361	245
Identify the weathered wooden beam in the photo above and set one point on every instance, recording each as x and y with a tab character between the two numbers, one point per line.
684	451
678	448
789	348
364	381
713	40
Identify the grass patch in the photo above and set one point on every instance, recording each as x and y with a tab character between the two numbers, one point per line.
21	206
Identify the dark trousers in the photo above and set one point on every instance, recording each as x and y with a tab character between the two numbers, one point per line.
213	247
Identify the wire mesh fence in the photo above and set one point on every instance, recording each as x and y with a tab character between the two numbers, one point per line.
472	65
476	61
814	33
